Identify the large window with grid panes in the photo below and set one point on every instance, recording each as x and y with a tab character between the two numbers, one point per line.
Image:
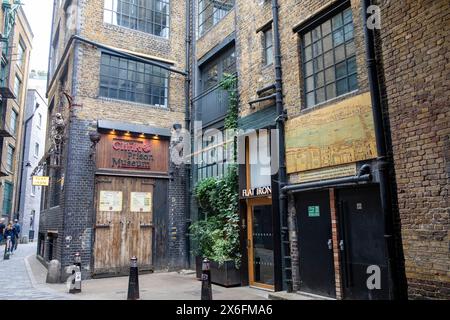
210	12
212	159
150	16
129	80
329	59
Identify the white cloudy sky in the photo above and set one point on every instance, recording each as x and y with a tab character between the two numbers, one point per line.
39	14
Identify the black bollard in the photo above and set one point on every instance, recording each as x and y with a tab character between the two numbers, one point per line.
206	280
133	282
76	272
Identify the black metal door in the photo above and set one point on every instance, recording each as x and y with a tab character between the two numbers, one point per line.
362	243
315	243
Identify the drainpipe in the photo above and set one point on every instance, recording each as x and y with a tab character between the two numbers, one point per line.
187	84
384	161
282	177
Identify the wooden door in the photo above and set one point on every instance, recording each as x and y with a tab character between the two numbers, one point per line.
123	224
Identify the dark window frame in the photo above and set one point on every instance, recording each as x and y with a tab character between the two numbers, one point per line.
224	5
129	16
348	59
220	60
266	48
7	201
16	117
125	81
10	161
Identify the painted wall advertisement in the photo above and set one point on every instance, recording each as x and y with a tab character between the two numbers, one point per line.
331	136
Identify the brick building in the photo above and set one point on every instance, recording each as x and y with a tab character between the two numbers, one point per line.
16	38
366	139
114	90
353	120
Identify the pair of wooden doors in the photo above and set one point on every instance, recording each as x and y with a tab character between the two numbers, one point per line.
123	224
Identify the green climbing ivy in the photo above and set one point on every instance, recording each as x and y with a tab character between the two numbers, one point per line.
217	236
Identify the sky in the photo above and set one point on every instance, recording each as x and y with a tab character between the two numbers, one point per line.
39	15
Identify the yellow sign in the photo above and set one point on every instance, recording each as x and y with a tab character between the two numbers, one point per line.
330	136
41	181
110	201
141	202
324	174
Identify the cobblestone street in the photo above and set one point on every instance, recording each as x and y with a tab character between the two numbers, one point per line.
15	281
23	278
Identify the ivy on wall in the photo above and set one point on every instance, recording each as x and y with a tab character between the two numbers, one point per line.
217	236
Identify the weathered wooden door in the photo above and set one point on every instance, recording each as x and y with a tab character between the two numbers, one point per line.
123	224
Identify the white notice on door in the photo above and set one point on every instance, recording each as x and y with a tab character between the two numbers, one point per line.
110	201
141	202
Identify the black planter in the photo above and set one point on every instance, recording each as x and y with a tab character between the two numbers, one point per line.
225	275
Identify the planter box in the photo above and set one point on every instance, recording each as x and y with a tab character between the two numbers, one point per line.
225	275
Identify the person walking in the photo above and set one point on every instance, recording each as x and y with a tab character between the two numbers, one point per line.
9	233
2	229
17	230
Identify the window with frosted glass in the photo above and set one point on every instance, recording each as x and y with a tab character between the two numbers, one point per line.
129	80
151	16
329	59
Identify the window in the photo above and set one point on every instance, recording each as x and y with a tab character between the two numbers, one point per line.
39	124
33	190
214	71
151	16
129	80
13	122
17	87
56	185
268	46
10	158
329	59
3	75
20	55
211	12
212	160
36	150
7	198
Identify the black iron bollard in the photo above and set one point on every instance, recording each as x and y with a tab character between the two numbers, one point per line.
133	282
206	280
76	272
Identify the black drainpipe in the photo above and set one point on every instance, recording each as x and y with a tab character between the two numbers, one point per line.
384	161
187	84
282	177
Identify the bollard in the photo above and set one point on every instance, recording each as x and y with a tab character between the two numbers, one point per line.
206	280
8	245
76	275
133	282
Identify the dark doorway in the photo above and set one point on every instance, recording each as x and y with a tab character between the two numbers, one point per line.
362	242
315	243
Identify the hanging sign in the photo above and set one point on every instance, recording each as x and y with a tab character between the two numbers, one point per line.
110	201
41	181
141	202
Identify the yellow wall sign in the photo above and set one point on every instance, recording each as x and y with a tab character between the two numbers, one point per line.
330	136
40	181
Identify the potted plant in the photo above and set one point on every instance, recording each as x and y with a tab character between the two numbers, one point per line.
217	235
